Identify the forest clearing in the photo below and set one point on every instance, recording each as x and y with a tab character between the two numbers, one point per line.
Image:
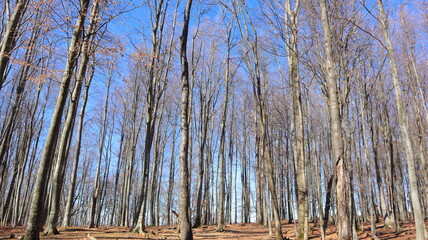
121	118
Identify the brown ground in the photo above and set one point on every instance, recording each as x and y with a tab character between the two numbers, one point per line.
250	231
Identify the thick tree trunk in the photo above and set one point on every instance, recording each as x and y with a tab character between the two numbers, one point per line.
343	212
34	219
184	202
298	139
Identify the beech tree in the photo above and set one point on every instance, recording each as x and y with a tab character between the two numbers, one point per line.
298	139
184	218
33	227
299	116
421	232
342	196
66	136
156	85
10	37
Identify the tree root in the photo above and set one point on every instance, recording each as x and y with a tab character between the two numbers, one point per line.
90	237
139	230
51	231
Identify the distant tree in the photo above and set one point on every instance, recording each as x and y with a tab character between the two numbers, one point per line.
291	16
156	86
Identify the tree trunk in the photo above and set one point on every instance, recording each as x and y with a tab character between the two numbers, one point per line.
97	189
222	151
78	146
16	106
298	139
171	178
34	219
343	213
154	93
67	131
421	232
184	203
10	37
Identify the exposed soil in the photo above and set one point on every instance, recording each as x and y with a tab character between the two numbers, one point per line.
249	231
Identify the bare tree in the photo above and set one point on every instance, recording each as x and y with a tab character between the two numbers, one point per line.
342	196
184	218
10	37
67	131
97	188
78	146
421	232
253	64
222	150
298	139
24	74
34	219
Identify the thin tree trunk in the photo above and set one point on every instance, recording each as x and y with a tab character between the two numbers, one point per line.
16	106
363	106
204	120
222	151
184	202
293	66
171	178
10	37
419	103
97	189
71	190
154	93
119	162
317	173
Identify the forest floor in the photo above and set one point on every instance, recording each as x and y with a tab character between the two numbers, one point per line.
250	231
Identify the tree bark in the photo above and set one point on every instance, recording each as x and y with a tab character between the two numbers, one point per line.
78	146
67	131
421	232
34	219
222	151
343	212
298	139
10	37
